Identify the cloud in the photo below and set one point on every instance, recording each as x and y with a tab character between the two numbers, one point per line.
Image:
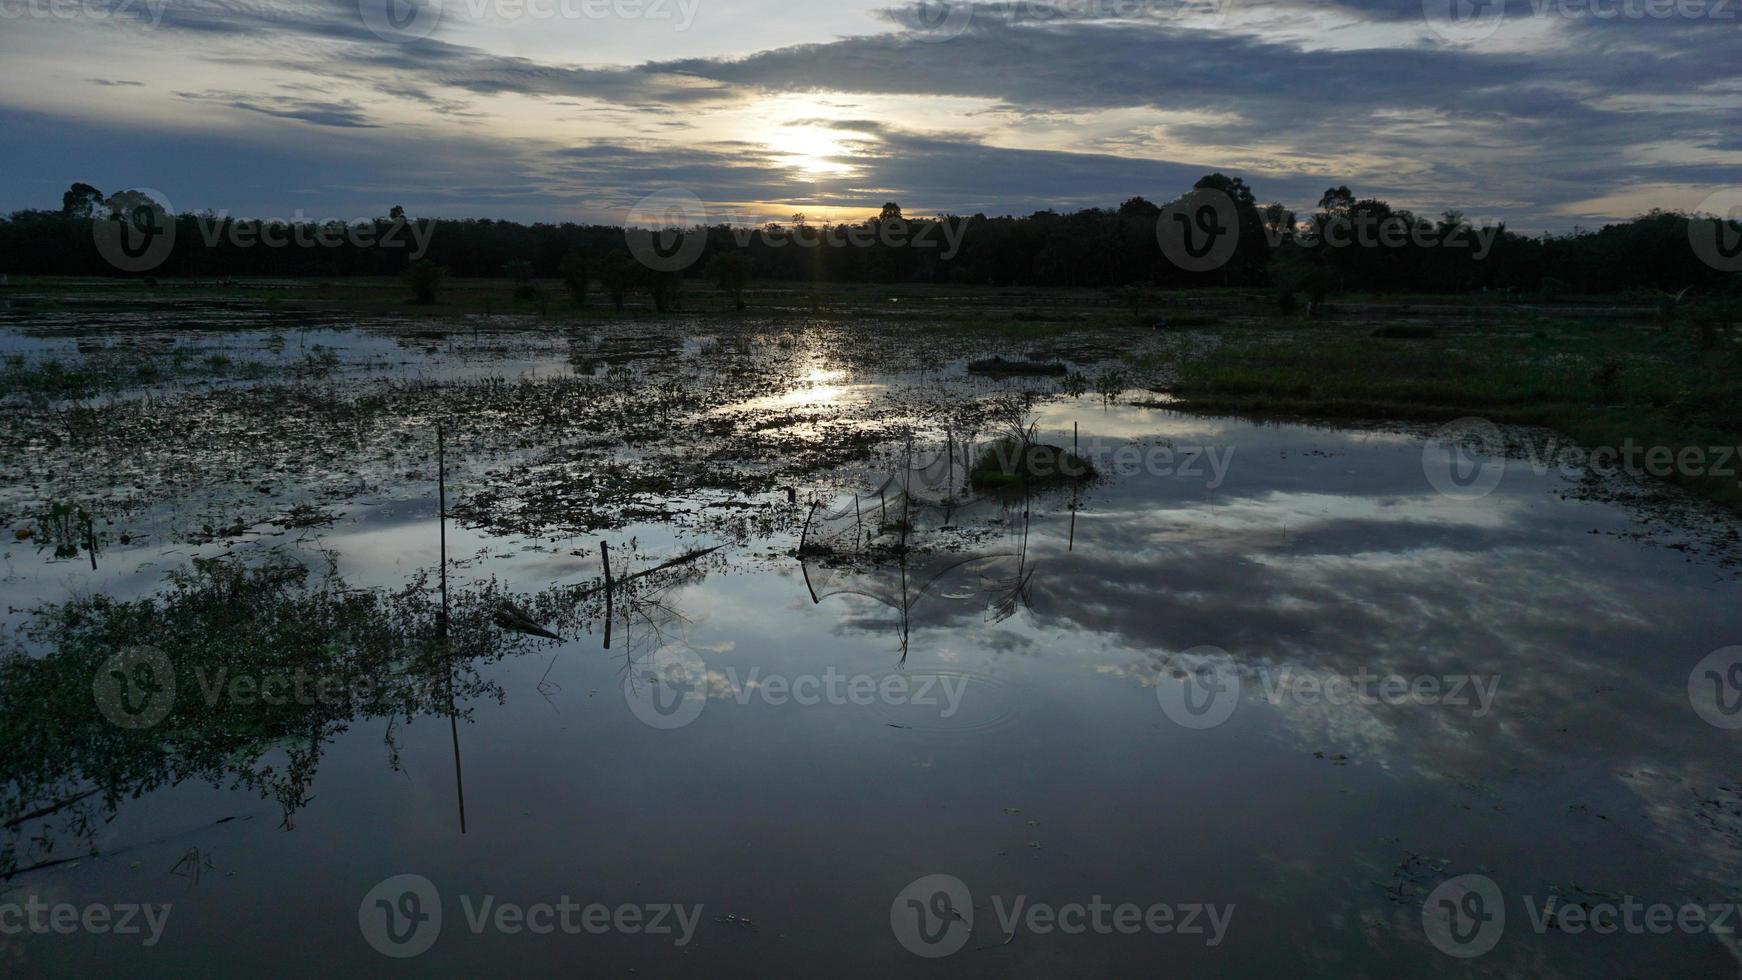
1291	96
340	114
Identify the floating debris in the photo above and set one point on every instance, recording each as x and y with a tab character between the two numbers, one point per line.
517	620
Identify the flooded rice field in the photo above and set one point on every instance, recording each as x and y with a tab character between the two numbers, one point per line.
749	652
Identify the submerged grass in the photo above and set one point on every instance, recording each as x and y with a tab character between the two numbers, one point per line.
1603	383
240	673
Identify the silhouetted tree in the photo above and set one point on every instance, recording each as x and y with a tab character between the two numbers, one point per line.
731	272
1099	248
619	273
520	273
425	278
573	270
81	201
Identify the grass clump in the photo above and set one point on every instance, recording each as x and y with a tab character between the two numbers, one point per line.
1013	462
1001	366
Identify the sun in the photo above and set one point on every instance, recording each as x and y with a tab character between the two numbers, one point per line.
810	149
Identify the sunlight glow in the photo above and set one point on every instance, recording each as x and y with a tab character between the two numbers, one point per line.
810	149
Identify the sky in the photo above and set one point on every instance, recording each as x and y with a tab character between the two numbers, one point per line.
1545	114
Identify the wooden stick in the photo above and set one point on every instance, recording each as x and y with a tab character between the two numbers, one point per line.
804	535
611	583
610	611
46	810
442	621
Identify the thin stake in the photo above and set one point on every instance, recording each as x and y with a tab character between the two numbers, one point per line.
950	447
605	554
905	496
442	617
442	510
804	535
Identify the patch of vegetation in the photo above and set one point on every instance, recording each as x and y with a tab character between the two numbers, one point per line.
314	656
49	379
1011	462
425	279
1405	331
65	527
1018	459
1181	320
1598	381
1001	366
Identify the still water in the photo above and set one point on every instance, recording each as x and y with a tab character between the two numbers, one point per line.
1236	712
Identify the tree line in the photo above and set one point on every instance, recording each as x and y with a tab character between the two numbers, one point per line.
1347	243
